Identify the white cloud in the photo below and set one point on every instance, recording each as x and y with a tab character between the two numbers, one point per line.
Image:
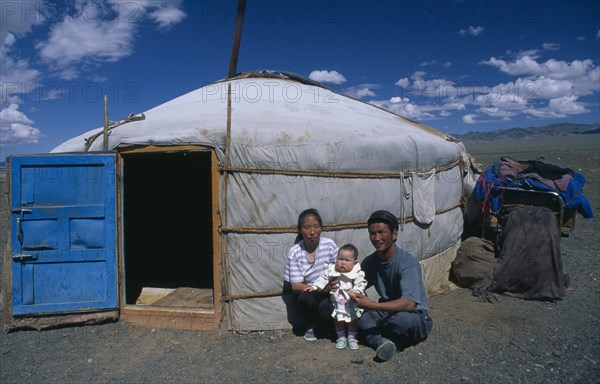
541	97
435	62
403	82
97	32
588	84
16	128
80	37
410	110
458	106
551	46
553	78
13	115
362	90
167	16
580	38
549	89
469	118
439	95
434	88
439	88
69	73
542	113
404	107
9	40
545	89
542	88
558	108
598	34
554	69
398	99
496	112
567	106
531	53
365	92
16	76
14	100
502	98
18	17
332	77
524	65
99	78
473	31
418	75
73	41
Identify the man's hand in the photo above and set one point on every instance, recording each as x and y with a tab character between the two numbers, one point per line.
309	289
397	305
363	301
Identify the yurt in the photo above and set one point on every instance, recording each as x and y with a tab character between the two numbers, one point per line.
183	216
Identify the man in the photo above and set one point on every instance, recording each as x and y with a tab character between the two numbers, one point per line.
400	316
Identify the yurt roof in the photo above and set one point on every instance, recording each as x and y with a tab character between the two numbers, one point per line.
277	118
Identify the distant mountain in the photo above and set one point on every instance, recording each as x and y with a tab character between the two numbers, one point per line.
561	129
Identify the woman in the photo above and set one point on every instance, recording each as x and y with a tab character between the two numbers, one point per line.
307	261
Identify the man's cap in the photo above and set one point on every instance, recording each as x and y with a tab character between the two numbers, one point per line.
383	217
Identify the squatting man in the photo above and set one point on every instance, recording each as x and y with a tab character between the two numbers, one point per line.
399	318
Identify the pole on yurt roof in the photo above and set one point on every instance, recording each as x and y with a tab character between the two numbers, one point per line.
105	130
237	37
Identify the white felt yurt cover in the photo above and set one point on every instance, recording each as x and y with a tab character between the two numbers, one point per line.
297	145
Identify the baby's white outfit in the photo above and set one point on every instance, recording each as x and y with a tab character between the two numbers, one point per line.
344	308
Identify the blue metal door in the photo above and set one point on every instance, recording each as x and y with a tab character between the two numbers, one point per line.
63	233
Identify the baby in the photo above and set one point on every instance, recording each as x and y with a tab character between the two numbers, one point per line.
351	281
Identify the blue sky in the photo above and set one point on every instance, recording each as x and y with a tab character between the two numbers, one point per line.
458	66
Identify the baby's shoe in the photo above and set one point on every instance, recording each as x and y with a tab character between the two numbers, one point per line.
341	343
352	343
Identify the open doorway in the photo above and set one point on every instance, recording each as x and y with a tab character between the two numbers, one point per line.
168	229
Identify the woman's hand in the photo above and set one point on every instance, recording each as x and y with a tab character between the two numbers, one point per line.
331	286
301	287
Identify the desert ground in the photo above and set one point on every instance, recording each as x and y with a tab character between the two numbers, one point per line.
512	341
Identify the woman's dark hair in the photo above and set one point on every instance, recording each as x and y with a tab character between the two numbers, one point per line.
308	212
350	247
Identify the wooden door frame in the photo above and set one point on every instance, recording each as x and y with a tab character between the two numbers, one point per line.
176	318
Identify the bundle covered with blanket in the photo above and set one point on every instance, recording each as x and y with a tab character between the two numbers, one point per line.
525	260
529	265
531	175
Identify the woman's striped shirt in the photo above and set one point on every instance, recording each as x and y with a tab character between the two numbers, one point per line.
299	270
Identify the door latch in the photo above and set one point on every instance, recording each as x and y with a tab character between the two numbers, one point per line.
21	211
